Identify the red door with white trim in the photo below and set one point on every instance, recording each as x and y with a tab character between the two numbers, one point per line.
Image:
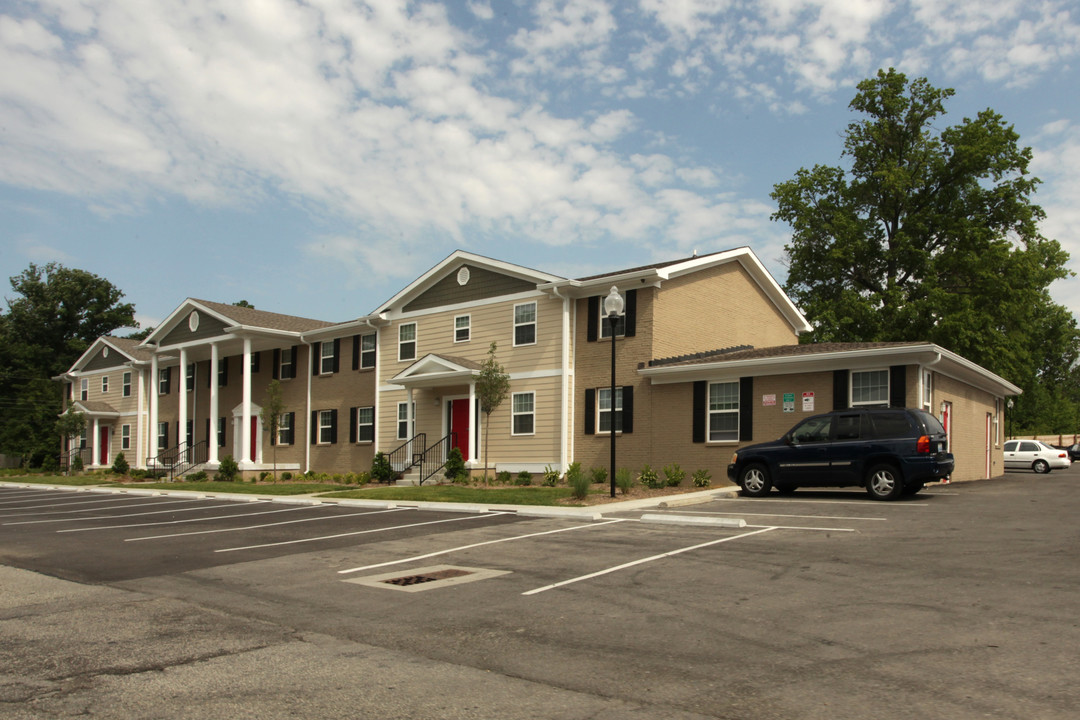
103	446
459	423
254	437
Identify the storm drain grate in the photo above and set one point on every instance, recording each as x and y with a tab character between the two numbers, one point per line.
427	578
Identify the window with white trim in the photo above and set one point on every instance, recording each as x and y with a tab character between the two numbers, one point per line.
104	384
525	324
326	358
407	342
603	410
190	377
84	389
927	390
605	324
367	351
163	436
365	424
869	388
403	429
125	437
326	427
287	369
125	387
462	328
82	439
163	381
523	411
724	412
285	428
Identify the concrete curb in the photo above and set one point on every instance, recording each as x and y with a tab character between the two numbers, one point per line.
670	519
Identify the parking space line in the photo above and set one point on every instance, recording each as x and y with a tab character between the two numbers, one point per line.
361	532
818	502
126	526
804	527
64	504
475	545
810	517
256	527
26	497
642	561
96	509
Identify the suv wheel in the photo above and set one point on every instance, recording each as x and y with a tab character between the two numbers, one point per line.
883	482
1040	466
754	480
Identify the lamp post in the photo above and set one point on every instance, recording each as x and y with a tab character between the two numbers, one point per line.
613	308
1009	404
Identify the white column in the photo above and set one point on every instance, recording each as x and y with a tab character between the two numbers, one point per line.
212	440
472	426
245	428
95	457
182	402
142	449
565	424
151	432
410	426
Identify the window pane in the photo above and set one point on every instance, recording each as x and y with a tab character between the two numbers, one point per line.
407	332
870	387
525	313
724	426
724	396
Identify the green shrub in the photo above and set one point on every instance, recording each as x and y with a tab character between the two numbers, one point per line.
674	475
286	475
265	475
228	470
649	478
624	479
197	476
381	470
503	477
523	478
701	478
455	466
50	463
77	463
120	464
578	481
599	475
551	476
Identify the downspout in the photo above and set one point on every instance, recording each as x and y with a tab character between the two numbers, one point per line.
922	380
567	424
307	410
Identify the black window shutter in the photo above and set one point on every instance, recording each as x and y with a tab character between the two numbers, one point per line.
314	426
333	426
352	425
273	435
746	409
277	363
224	377
898	386
168	380
839	389
627	409
208	432
209	371
255	359
316	358
355	352
594	318
590	411
631	314
166	433
337	354
295	361
701	391
290	436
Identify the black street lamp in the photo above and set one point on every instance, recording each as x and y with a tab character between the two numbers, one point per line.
613	308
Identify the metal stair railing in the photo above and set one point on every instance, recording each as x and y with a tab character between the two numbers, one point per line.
408	454
434	458
179	459
65	458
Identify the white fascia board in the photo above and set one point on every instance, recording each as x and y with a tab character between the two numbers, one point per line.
252	331
577	289
177	316
368	322
424	281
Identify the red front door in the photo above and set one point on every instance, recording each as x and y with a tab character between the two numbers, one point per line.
254	436
459	423
103	446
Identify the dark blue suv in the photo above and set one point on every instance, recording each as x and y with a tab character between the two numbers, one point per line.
889	451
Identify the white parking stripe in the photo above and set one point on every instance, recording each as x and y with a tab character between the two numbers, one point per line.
62	504
811	517
97	509
818	502
126	526
264	525
360	532
474	545
642	561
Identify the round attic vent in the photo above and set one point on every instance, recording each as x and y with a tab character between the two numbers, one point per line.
463	276
193	321
104	352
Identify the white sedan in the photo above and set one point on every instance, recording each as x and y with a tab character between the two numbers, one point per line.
1034	455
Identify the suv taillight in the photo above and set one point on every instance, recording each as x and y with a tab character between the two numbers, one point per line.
923	445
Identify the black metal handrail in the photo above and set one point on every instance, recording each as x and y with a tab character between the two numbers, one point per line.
180	459
85	453
434	458
408	454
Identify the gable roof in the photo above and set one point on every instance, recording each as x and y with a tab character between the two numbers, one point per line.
129	350
433	370
234	318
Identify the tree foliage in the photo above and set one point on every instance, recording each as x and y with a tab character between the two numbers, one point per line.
56	314
492	386
932	234
272	410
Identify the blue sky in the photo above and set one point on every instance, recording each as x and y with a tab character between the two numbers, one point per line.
315	157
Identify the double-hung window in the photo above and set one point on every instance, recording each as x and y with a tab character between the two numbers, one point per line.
870	388
326	358
523	407
525	324
163	435
125	437
288	364
104	384
285	428
604	412
365	424
724	412
191	377
163	381
126	385
407	341
327	429
403	429
605	324
367	351
462	328
84	389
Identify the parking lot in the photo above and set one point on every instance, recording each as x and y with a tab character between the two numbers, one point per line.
958	602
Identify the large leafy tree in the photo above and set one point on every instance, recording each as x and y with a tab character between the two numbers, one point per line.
931	233
56	314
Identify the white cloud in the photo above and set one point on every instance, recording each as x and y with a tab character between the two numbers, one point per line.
1056	162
